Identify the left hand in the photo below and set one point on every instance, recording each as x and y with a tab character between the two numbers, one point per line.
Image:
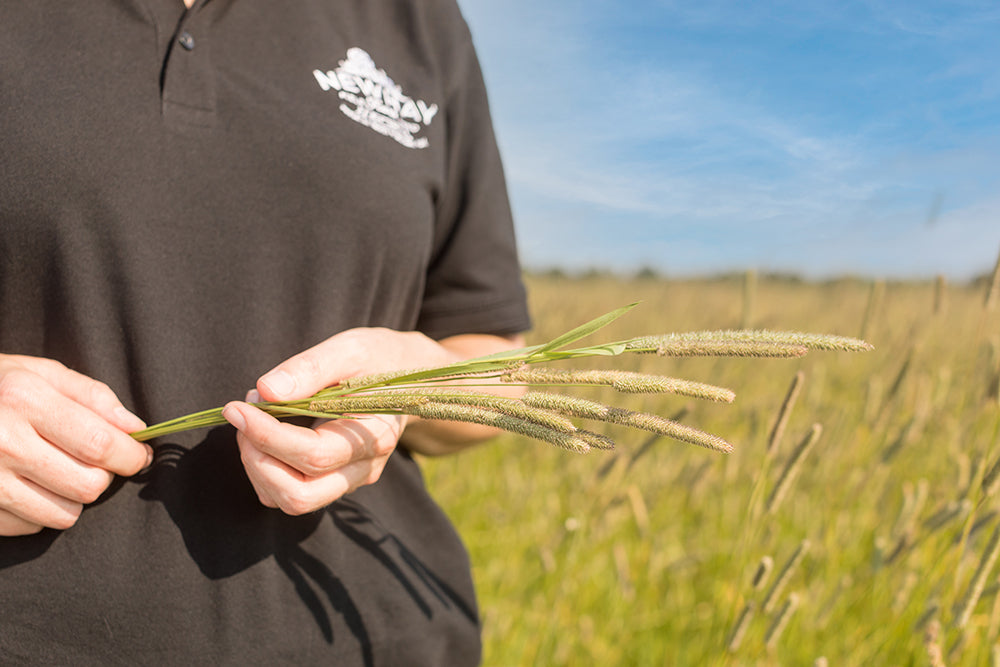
300	469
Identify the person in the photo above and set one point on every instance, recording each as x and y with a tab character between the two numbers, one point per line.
195	195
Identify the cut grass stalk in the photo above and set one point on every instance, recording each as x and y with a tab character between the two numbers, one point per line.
411	391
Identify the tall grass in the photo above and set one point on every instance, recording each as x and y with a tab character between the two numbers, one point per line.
651	554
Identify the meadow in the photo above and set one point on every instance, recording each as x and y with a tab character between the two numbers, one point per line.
864	534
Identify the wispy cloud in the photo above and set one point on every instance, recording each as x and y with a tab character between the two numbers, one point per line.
628	141
951	20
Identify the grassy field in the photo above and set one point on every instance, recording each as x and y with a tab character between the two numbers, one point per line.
880	551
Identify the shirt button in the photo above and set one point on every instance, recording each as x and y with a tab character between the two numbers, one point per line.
186	40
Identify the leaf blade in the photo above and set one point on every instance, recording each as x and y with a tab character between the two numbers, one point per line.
582	331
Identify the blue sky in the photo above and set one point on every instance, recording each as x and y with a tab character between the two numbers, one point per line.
821	138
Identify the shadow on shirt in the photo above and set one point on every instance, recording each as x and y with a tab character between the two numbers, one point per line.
226	531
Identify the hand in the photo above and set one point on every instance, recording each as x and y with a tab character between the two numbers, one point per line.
299	469
63	437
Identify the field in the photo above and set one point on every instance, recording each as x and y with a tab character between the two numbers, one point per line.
879	551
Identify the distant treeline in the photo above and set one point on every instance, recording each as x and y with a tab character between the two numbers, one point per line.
649	273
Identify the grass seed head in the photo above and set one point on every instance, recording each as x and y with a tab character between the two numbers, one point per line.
719	348
991	480
784	413
762	338
595	440
781	621
472	414
503	405
993	288
739	630
932	644
771	599
568	405
762	573
623	381
586	409
675	430
791	468
389	401
978	582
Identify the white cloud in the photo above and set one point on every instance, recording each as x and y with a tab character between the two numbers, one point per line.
664	163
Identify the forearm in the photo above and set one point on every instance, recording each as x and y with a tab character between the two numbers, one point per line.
436	437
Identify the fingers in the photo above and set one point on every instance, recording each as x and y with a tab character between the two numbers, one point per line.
281	486
63	437
301	469
95	395
34	411
28	507
328	447
12	525
64	476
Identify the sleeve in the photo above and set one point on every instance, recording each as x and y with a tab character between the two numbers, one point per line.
473	282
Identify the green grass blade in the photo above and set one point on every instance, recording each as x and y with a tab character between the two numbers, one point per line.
582	331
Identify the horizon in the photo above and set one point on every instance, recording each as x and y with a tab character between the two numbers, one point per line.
976	281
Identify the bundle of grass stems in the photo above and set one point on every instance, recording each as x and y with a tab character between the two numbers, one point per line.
449	392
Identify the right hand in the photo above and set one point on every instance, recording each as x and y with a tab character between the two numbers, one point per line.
63	438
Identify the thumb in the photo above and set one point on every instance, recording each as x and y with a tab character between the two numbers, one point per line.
320	366
368	350
295	378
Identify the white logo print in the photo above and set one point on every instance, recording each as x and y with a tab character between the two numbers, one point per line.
373	99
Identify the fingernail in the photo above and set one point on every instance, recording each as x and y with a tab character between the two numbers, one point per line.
253	396
233	415
279	382
149	457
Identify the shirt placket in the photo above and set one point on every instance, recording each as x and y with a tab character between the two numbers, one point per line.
188	87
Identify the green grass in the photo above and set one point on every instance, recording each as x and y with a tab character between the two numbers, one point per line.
645	556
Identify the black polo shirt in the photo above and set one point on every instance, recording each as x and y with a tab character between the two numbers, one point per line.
188	198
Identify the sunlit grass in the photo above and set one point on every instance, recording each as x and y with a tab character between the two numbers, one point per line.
646	555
